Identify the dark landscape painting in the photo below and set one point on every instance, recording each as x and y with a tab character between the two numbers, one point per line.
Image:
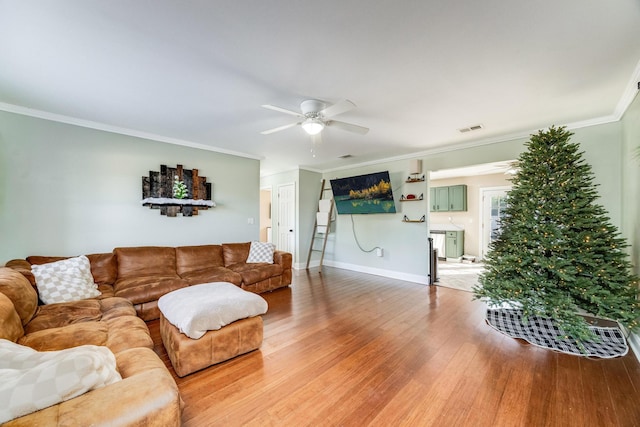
363	194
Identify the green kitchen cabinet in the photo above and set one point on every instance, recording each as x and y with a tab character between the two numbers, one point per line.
439	199
454	244
448	199
457	198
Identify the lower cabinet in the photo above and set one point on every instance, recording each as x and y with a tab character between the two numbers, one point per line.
454	244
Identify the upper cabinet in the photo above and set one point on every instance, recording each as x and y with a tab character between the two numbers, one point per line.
449	199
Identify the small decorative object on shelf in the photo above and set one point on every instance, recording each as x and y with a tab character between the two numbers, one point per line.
168	190
179	189
411	198
415	178
406	219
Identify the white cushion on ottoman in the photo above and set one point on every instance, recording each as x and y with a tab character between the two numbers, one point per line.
208	307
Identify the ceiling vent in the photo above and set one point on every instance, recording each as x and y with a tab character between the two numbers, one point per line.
471	128
346	156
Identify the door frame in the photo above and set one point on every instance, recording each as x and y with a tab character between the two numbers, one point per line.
268	188
481	214
295	217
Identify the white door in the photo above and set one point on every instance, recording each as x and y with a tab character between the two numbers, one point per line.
493	205
286	218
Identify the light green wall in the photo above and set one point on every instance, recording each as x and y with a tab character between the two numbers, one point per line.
602	147
67	190
631	192
631	181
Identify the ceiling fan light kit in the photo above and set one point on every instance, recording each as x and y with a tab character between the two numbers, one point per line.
313	126
314	117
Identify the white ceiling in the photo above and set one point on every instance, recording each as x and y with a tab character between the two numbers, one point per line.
196	72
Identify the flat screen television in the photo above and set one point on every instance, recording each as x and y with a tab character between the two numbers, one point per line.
363	194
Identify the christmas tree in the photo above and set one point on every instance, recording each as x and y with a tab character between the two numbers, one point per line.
557	251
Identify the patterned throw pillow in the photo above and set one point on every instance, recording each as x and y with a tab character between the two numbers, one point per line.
66	280
261	252
33	380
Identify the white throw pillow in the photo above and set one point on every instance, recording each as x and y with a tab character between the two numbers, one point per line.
261	252
31	380
208	307
66	280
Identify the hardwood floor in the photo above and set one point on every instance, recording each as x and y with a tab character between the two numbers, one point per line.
348	349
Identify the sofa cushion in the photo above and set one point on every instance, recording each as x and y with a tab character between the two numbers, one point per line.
39	260
235	253
35	380
65	280
194	258
63	314
127	332
253	273
144	289
261	252
10	323
93	333
145	261
19	290
104	267
212	274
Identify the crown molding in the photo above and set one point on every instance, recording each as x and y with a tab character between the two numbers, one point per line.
478	143
25	111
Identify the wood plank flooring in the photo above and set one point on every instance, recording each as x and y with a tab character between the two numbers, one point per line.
349	349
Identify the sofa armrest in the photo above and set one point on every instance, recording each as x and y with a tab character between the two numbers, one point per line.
147	395
283	258
23	266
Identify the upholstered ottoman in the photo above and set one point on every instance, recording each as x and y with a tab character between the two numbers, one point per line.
209	323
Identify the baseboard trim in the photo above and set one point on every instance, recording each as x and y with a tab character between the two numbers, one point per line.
415	278
634	343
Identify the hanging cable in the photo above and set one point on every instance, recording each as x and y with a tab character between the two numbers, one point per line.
353	228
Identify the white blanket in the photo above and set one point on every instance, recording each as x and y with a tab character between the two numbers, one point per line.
31	380
209	306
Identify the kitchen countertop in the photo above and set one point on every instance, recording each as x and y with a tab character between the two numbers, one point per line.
446	227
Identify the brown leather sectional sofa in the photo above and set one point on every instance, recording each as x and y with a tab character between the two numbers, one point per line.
143	274
147	394
131	281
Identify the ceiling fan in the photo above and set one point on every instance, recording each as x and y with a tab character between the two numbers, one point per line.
314	115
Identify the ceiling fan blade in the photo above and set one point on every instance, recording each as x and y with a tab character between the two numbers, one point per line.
338	108
278	129
282	110
347	126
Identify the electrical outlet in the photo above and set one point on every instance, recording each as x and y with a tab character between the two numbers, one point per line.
379	251
250	221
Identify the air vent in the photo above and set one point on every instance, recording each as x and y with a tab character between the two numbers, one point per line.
346	156
471	128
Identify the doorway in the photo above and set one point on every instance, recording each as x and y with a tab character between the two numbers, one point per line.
286	218
494	202
265	215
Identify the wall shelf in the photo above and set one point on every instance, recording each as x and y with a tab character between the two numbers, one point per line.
411	199
406	219
411	179
163	201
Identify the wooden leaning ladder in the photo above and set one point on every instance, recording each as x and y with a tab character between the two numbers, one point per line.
323	215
